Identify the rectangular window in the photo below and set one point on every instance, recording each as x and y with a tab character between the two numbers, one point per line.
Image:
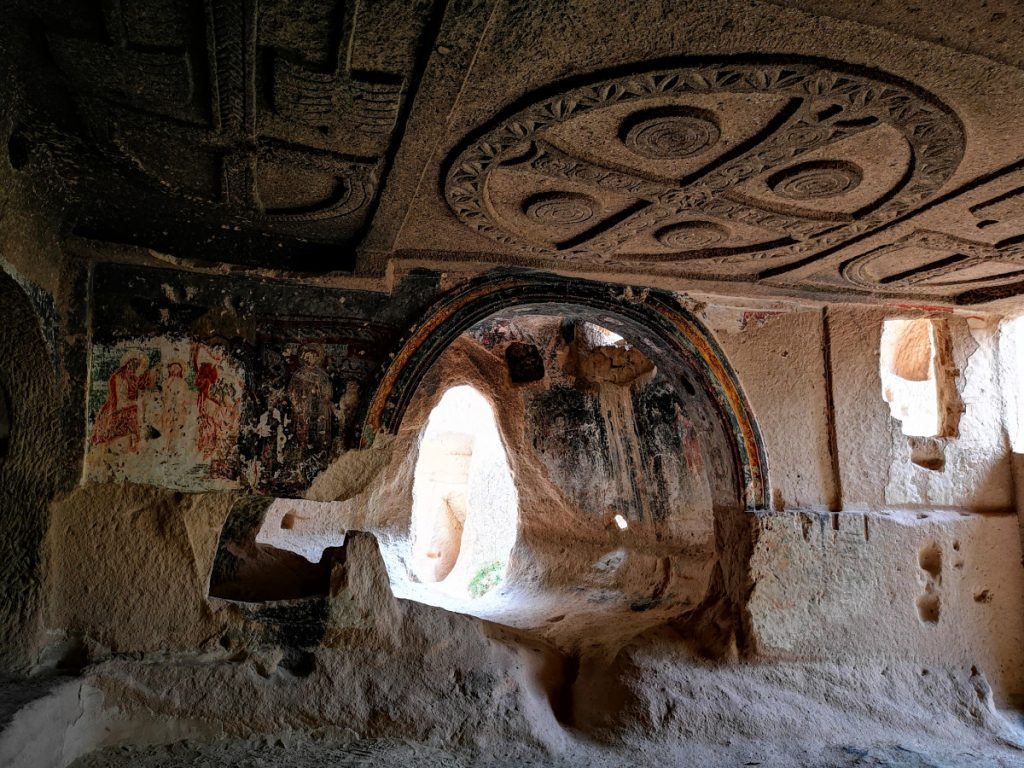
917	376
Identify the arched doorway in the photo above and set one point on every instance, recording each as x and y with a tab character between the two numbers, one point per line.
465	507
634	455
662	328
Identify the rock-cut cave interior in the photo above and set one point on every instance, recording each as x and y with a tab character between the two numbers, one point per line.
511	383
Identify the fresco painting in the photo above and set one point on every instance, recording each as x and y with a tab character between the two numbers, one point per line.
165	410
220	413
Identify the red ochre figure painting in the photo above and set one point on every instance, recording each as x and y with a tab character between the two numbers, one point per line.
169	408
119	416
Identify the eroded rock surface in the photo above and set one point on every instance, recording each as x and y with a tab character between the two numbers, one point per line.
544	383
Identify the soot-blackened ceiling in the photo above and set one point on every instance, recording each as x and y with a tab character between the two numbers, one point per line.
249	132
826	151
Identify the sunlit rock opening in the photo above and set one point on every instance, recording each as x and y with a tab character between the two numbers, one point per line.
465	507
512	383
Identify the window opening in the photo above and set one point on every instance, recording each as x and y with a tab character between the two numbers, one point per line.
465	505
599	336
910	375
1012	375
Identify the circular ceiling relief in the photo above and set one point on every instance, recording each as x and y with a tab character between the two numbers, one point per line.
691	235
560	208
815	180
670	133
732	163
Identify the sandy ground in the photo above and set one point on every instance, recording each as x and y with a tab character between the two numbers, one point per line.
387	753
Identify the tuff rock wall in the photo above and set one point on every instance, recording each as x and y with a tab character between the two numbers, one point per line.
868	571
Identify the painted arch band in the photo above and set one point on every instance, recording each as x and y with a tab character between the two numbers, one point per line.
657	314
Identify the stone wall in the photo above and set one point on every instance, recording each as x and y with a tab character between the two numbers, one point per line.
811	580
30	468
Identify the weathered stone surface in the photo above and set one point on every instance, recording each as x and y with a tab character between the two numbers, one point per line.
247	247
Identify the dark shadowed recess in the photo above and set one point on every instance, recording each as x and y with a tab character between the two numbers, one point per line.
659	326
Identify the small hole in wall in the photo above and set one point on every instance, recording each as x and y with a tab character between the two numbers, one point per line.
930	559
525	363
928	607
908	373
18	151
929	453
298	663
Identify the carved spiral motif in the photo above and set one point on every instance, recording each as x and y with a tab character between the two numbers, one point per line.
815	179
560	208
691	235
670	134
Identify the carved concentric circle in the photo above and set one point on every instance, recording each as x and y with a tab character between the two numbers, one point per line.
815	180
663	114
670	133
691	235
560	208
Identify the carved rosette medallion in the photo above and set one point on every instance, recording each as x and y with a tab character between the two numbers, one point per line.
670	134
805	181
690	235
560	208
741	165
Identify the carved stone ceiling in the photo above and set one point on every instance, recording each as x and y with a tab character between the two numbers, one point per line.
785	148
248	131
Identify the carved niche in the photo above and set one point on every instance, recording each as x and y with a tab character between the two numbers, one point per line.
724	167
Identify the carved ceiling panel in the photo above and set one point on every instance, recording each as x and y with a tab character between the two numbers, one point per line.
967	245
272	119
727	168
287	134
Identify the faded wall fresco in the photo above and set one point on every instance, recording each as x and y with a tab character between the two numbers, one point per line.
165	411
200	385
307	383
616	434
219	414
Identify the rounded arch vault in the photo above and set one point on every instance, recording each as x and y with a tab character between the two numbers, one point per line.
660	325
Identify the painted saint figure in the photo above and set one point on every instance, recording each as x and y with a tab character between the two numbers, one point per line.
119	417
311	396
274	426
175	397
207	372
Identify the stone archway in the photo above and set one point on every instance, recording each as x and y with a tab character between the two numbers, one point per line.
666	330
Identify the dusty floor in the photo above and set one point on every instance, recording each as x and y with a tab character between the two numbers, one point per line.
387	753
778	715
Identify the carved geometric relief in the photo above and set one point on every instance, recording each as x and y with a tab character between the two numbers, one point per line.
730	165
259	112
966	246
1001	209
934	262
815	179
